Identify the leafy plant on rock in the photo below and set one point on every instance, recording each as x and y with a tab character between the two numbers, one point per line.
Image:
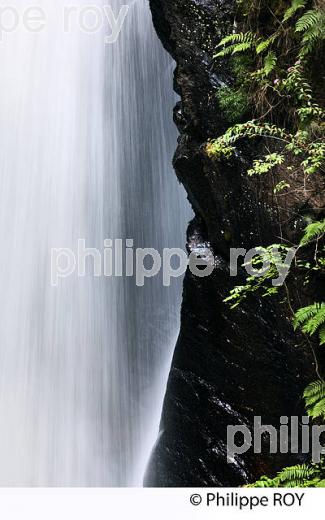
288	123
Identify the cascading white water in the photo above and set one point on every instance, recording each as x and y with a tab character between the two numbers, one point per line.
86	146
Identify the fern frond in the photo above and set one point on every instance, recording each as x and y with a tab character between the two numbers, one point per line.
316	322
322	335
295	476
242	47
301	475
233	49
269	63
226	51
314	396
240	42
311	319
313	27
315	391
308	20
304	314
313	231
312	37
295	5
265	44
265	482
236	38
317	410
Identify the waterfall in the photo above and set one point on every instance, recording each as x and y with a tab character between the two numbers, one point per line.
86	144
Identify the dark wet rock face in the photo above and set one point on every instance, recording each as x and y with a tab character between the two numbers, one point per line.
229	366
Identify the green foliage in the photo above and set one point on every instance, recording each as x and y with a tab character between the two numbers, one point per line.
308	20
314	396
296	85
218	149
313	231
312	26
236	43
223	145
233	103
311	319
301	475
282	185
291	84
269	63
266	164
242	42
295	476
266	264
298	144
287	116
265	44
315	158
295	6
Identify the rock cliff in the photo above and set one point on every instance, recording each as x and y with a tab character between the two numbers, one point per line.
229	366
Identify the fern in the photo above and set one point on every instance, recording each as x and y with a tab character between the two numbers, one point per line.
242	47
317	321
304	314
312	24
269	63
295	476
265	44
264	482
322	335
301	475
314	396
236	38
295	6
278	73
240	42
233	49
312	37
311	319
308	20
313	231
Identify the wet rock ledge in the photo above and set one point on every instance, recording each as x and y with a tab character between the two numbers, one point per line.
229	366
